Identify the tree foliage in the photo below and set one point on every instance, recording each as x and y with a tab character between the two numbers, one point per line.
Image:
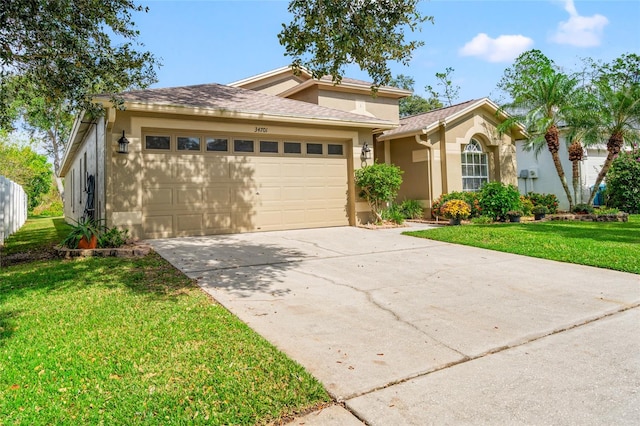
326	35
379	184
413	104
623	182
448	93
64	52
615	109
542	99
26	167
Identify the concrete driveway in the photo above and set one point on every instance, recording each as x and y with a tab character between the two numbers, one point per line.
411	331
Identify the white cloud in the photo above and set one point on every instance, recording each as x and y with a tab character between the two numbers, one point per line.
580	31
505	48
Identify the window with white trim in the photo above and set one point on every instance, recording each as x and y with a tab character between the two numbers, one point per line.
475	167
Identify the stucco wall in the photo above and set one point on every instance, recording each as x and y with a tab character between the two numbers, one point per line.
548	181
124	194
89	160
364	104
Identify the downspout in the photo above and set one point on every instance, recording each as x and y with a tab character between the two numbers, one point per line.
429	168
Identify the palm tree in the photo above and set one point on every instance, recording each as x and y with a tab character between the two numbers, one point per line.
541	107
618	113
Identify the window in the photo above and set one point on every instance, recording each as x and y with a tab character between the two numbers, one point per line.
157	142
188	143
269	146
217	144
241	145
475	168
292	148
335	149
314	148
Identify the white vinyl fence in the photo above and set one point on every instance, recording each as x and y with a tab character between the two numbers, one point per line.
13	208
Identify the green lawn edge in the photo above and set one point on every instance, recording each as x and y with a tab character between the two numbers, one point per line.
132	341
609	245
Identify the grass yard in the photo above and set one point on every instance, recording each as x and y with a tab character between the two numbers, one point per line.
132	341
613	245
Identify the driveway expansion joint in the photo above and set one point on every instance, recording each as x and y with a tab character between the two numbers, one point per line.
492	351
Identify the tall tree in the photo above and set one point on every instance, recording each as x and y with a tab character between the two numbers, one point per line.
327	35
20	163
616	88
66	51
414	104
542	98
449	92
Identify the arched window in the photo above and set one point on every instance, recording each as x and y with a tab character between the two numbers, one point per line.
475	167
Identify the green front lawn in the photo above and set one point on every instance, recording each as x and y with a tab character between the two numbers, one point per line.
613	245
132	341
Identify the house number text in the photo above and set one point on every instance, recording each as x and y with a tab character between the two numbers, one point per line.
261	130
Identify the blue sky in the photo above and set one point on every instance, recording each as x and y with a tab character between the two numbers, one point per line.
223	41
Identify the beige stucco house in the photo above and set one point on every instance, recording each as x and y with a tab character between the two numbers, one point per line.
457	148
275	151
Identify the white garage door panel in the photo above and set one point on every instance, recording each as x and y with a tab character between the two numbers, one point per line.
211	194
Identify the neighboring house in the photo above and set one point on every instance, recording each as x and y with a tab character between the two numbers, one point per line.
275	151
537	173
457	148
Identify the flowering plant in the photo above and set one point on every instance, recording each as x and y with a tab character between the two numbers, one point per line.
456	209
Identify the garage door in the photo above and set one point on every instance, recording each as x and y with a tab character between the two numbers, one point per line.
214	185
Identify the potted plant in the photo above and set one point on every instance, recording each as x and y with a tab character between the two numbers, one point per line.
83	235
539	212
455	211
514	215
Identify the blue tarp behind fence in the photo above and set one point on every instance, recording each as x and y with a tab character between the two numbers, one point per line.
13	208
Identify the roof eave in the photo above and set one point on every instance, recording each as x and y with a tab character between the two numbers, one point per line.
75	138
254	115
392	92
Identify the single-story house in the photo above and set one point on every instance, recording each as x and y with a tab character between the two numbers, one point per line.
271	152
457	148
275	151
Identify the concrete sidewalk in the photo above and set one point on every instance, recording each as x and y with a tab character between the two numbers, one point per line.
412	331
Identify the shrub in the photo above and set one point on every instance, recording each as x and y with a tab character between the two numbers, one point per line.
527	205
472	198
496	199
481	220
602	212
411	209
550	201
623	182
540	210
456	209
582	208
113	238
392	214
379	184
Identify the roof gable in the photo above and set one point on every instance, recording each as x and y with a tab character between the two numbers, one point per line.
429	121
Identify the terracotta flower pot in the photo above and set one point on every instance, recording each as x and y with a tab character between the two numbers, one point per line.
90	244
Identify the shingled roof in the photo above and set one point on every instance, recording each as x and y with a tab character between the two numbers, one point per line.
416	123
223	98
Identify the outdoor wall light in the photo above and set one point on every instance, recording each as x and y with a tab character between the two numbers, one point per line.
366	152
123	144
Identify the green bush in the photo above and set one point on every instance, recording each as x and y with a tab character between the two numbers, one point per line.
393	214
412	209
496	199
113	238
471	198
550	201
481	220
582	208
379	184
527	205
623	182
602	212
